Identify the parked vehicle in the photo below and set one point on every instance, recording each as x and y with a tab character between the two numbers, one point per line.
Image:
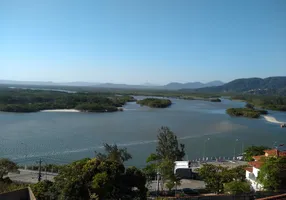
190	192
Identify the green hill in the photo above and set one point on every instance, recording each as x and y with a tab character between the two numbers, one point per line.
267	86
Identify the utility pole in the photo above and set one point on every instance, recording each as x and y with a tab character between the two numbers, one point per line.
158	179
234	151
40	170
205	146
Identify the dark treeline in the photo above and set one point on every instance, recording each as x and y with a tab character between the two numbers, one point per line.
20	100
155	102
245	112
265	102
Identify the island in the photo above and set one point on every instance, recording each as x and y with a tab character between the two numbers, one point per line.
246	112
215	100
155	102
201	98
25	101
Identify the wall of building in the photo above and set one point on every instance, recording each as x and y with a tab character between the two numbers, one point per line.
23	194
255	172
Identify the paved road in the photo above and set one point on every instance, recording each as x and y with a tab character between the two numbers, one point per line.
193	184
30	176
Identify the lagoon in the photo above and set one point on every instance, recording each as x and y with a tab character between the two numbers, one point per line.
62	137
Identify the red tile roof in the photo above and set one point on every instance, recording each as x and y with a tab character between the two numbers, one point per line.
257	158
250	169
271	152
282	153
275	152
256	164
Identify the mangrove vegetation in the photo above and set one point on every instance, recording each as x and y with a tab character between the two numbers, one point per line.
155	102
21	100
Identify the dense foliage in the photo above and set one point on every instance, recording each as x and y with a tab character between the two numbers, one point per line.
265	102
7	166
6	184
272	174
251	151
104	177
21	100
245	112
155	102
114	153
216	177
237	187
9	186
215	100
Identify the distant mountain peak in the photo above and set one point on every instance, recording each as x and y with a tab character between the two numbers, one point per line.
191	85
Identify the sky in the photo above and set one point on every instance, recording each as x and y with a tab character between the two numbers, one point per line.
141	41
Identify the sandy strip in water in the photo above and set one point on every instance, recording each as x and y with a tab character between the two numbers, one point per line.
61	110
272	119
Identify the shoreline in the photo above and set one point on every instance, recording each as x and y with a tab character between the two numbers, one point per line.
62	110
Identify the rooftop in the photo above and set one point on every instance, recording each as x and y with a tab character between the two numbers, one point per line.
256	164
250	169
258	158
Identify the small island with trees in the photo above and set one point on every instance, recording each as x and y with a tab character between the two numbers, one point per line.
155	102
249	111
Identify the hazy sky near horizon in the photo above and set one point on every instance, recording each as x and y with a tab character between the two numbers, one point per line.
139	41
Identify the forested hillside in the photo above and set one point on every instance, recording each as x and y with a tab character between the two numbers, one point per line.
267	86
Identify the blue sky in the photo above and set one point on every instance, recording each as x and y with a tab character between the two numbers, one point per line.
139	41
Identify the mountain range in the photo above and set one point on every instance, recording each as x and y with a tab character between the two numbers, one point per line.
267	86
191	85
170	86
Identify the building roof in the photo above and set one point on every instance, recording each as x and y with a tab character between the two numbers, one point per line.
282	153
274	152
271	152
256	164
250	169
257	158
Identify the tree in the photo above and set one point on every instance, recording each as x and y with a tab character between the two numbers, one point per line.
237	187
272	174
238	173
168	151
168	146
216	176
250	106
44	190
94	179
254	151
7	166
114	153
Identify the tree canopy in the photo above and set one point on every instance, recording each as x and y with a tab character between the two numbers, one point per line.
7	166
168	151
24	100
272	174
94	179
237	187
155	102
245	112
216	177
114	153
168	146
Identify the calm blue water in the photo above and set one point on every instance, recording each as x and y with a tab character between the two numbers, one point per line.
64	137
